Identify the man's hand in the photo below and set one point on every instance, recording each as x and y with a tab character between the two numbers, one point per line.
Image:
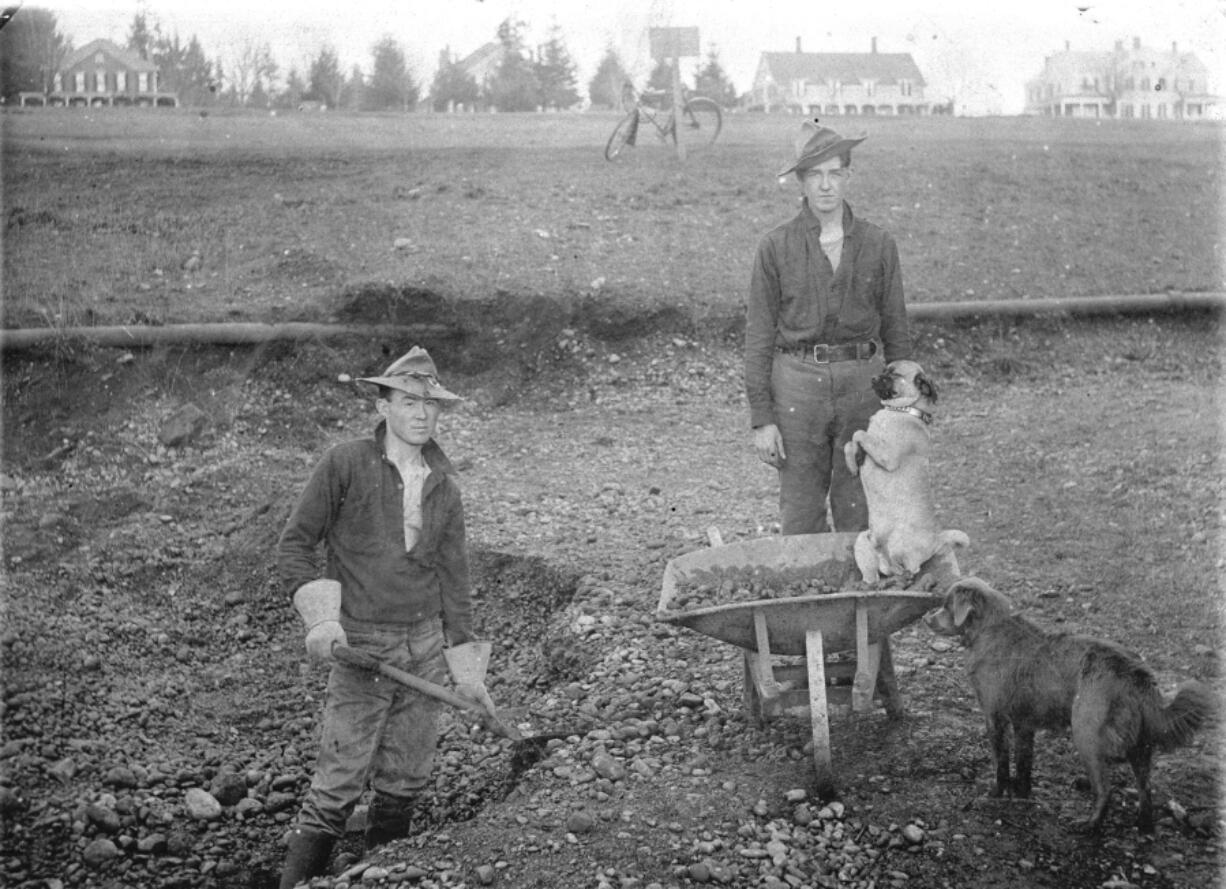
768	445
321	637
319	603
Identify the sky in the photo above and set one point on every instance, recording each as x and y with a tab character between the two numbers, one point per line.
979	53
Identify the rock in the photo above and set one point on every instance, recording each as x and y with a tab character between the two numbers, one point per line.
152	844
228	789
202	805
103	817
699	872
63	770
11	802
606	766
183	426
99	852
580	822
121	777
484	874
796	796
913	834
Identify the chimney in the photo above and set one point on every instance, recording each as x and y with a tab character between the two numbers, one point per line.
1067	46
1174	48
798	44
1136	43
874	46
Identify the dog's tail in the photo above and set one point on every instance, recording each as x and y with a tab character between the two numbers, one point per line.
1174	724
948	541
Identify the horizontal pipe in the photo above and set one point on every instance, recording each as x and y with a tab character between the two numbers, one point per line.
239	333
215	334
1141	303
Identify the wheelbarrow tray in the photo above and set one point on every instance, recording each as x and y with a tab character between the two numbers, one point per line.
830	558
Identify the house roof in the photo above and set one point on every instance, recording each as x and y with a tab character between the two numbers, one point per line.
482	58
130	60
845	67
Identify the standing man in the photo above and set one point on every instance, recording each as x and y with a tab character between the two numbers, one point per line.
395	585
825	314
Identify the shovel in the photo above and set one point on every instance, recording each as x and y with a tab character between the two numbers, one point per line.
365	661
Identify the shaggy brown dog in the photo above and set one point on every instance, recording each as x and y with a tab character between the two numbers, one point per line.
1028	679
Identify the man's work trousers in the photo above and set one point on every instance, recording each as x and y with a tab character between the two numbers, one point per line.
817	409
376	730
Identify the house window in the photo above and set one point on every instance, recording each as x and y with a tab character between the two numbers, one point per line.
1145	84
904	87
142	81
121	81
870	87
78	81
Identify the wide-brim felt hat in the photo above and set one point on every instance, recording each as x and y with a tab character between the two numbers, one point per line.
417	366
817	143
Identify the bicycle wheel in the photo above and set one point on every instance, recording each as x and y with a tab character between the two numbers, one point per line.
623	135
699	122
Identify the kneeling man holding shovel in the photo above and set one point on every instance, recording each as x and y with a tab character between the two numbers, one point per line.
395	594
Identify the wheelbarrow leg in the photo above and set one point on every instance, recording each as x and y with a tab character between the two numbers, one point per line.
868	660
761	688
887	683
816	657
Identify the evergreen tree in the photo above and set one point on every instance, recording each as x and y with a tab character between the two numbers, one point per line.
661	77
513	86
31	51
196	83
606	87
711	81
140	37
391	85
453	86
555	72
324	78
355	91
294	92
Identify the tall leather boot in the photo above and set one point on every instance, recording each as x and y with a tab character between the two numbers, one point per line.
389	818
306	856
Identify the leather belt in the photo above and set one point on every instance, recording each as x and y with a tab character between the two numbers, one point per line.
823	353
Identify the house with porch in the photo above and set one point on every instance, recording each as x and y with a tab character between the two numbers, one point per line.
832	83
1136	82
101	73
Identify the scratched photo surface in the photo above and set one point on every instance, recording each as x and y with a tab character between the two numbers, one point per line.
217	220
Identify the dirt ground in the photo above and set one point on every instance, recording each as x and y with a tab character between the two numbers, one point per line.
148	651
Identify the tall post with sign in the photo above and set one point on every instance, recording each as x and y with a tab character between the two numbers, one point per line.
671	44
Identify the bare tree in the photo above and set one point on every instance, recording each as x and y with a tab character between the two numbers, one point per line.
253	64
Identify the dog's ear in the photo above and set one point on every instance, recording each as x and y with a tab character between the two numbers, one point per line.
926	387
963	604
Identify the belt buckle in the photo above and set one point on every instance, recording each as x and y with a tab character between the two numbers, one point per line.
821	353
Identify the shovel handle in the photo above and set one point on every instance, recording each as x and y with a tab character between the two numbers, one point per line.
355	658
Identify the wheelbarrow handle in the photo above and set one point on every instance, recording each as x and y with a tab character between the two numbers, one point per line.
366	661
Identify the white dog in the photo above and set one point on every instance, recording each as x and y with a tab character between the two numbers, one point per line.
891	458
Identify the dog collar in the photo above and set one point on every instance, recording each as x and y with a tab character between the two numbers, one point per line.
913	411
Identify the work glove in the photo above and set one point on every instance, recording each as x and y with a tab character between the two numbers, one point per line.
467	664
319	604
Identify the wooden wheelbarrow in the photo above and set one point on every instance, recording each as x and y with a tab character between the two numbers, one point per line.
819	627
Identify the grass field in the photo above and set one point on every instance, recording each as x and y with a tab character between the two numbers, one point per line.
293	215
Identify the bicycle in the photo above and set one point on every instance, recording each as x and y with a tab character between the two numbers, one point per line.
698	126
